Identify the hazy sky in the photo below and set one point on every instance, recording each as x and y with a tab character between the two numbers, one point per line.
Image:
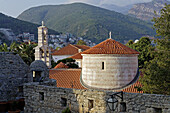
15	7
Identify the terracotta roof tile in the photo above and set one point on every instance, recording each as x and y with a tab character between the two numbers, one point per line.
84	47
52	50
67	78
67	50
110	46
61	65
70	49
133	89
77	56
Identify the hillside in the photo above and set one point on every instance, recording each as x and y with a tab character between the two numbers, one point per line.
88	21
145	11
120	9
19	26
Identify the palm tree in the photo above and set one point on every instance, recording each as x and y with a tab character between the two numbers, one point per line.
26	52
4	47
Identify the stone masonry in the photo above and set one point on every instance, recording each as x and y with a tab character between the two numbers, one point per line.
13	73
50	99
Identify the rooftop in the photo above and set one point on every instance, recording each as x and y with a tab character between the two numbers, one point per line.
70	49
67	78
77	56
110	46
61	65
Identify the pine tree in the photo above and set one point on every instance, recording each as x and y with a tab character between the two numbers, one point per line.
156	72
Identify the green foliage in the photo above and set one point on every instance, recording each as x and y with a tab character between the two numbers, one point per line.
19	26
67	110
81	42
4	47
130	42
57	48
53	64
69	62
138	88
156	72
25	51
72	65
156	77
66	60
88	21
145	48
162	23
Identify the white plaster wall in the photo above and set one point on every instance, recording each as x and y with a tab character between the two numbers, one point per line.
59	57
79	62
119	70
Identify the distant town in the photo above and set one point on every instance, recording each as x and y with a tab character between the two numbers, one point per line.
55	41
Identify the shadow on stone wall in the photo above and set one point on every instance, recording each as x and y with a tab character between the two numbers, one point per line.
50	99
43	99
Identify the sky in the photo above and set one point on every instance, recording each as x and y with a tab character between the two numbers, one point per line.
15	7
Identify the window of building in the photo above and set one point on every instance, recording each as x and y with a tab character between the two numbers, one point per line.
20	89
90	104
63	102
157	110
36	76
41	95
102	65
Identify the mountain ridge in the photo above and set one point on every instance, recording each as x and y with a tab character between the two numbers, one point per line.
20	26
145	11
88	21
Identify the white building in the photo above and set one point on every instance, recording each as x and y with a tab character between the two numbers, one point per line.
68	51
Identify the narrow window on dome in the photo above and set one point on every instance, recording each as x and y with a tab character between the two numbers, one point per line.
102	65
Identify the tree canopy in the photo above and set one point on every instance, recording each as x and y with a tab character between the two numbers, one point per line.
69	62
156	72
81	42
25	51
145	48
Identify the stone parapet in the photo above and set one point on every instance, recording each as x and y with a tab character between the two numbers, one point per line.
50	99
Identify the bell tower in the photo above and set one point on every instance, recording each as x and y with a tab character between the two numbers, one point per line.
42	51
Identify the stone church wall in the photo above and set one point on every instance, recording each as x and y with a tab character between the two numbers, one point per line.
49	99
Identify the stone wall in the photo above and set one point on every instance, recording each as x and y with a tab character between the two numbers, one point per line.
13	73
147	103
49	99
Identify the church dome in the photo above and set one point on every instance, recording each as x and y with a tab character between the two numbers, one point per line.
38	65
109	65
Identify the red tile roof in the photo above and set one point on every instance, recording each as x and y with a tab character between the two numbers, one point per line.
110	46
67	78
70	78
61	65
77	56
70	49
132	88
83	47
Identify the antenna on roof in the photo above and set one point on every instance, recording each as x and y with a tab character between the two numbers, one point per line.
42	23
110	35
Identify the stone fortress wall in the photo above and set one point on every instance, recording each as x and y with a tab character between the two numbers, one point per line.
50	99
14	72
